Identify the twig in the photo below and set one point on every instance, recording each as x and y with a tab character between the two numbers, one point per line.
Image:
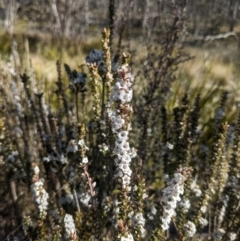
181	238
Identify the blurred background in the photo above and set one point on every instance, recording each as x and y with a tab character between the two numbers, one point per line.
69	29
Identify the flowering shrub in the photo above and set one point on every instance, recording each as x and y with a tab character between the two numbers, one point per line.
100	163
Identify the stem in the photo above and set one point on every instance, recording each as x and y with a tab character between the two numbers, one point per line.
103	97
77	105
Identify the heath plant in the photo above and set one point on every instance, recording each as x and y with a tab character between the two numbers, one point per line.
89	160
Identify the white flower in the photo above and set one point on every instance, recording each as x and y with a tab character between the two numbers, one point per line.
178	177
119	174
102	124
126	180
203	209
125	96
63	159
122	135
175	193
126	158
170	146
232	236
203	222
85	160
11	70
69	225
169	208
171	194
47	159
69	198
41	197
171	203
121	84
124	146
165	226
18	132
117	122
166	217
153	210
152	213
117	161
36	170
138	219
185	204
190	229
72	146
125	169
84	198
129	237
82	144
103	147
133	152
179	188
198	192
222	212
166	177
121	149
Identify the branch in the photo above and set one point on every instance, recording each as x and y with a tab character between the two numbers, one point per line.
220	36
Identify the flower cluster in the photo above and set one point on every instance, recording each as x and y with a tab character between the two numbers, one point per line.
122	90
70	227
171	194
39	193
121	95
139	221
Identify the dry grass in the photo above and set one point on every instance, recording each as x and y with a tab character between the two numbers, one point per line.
217	59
